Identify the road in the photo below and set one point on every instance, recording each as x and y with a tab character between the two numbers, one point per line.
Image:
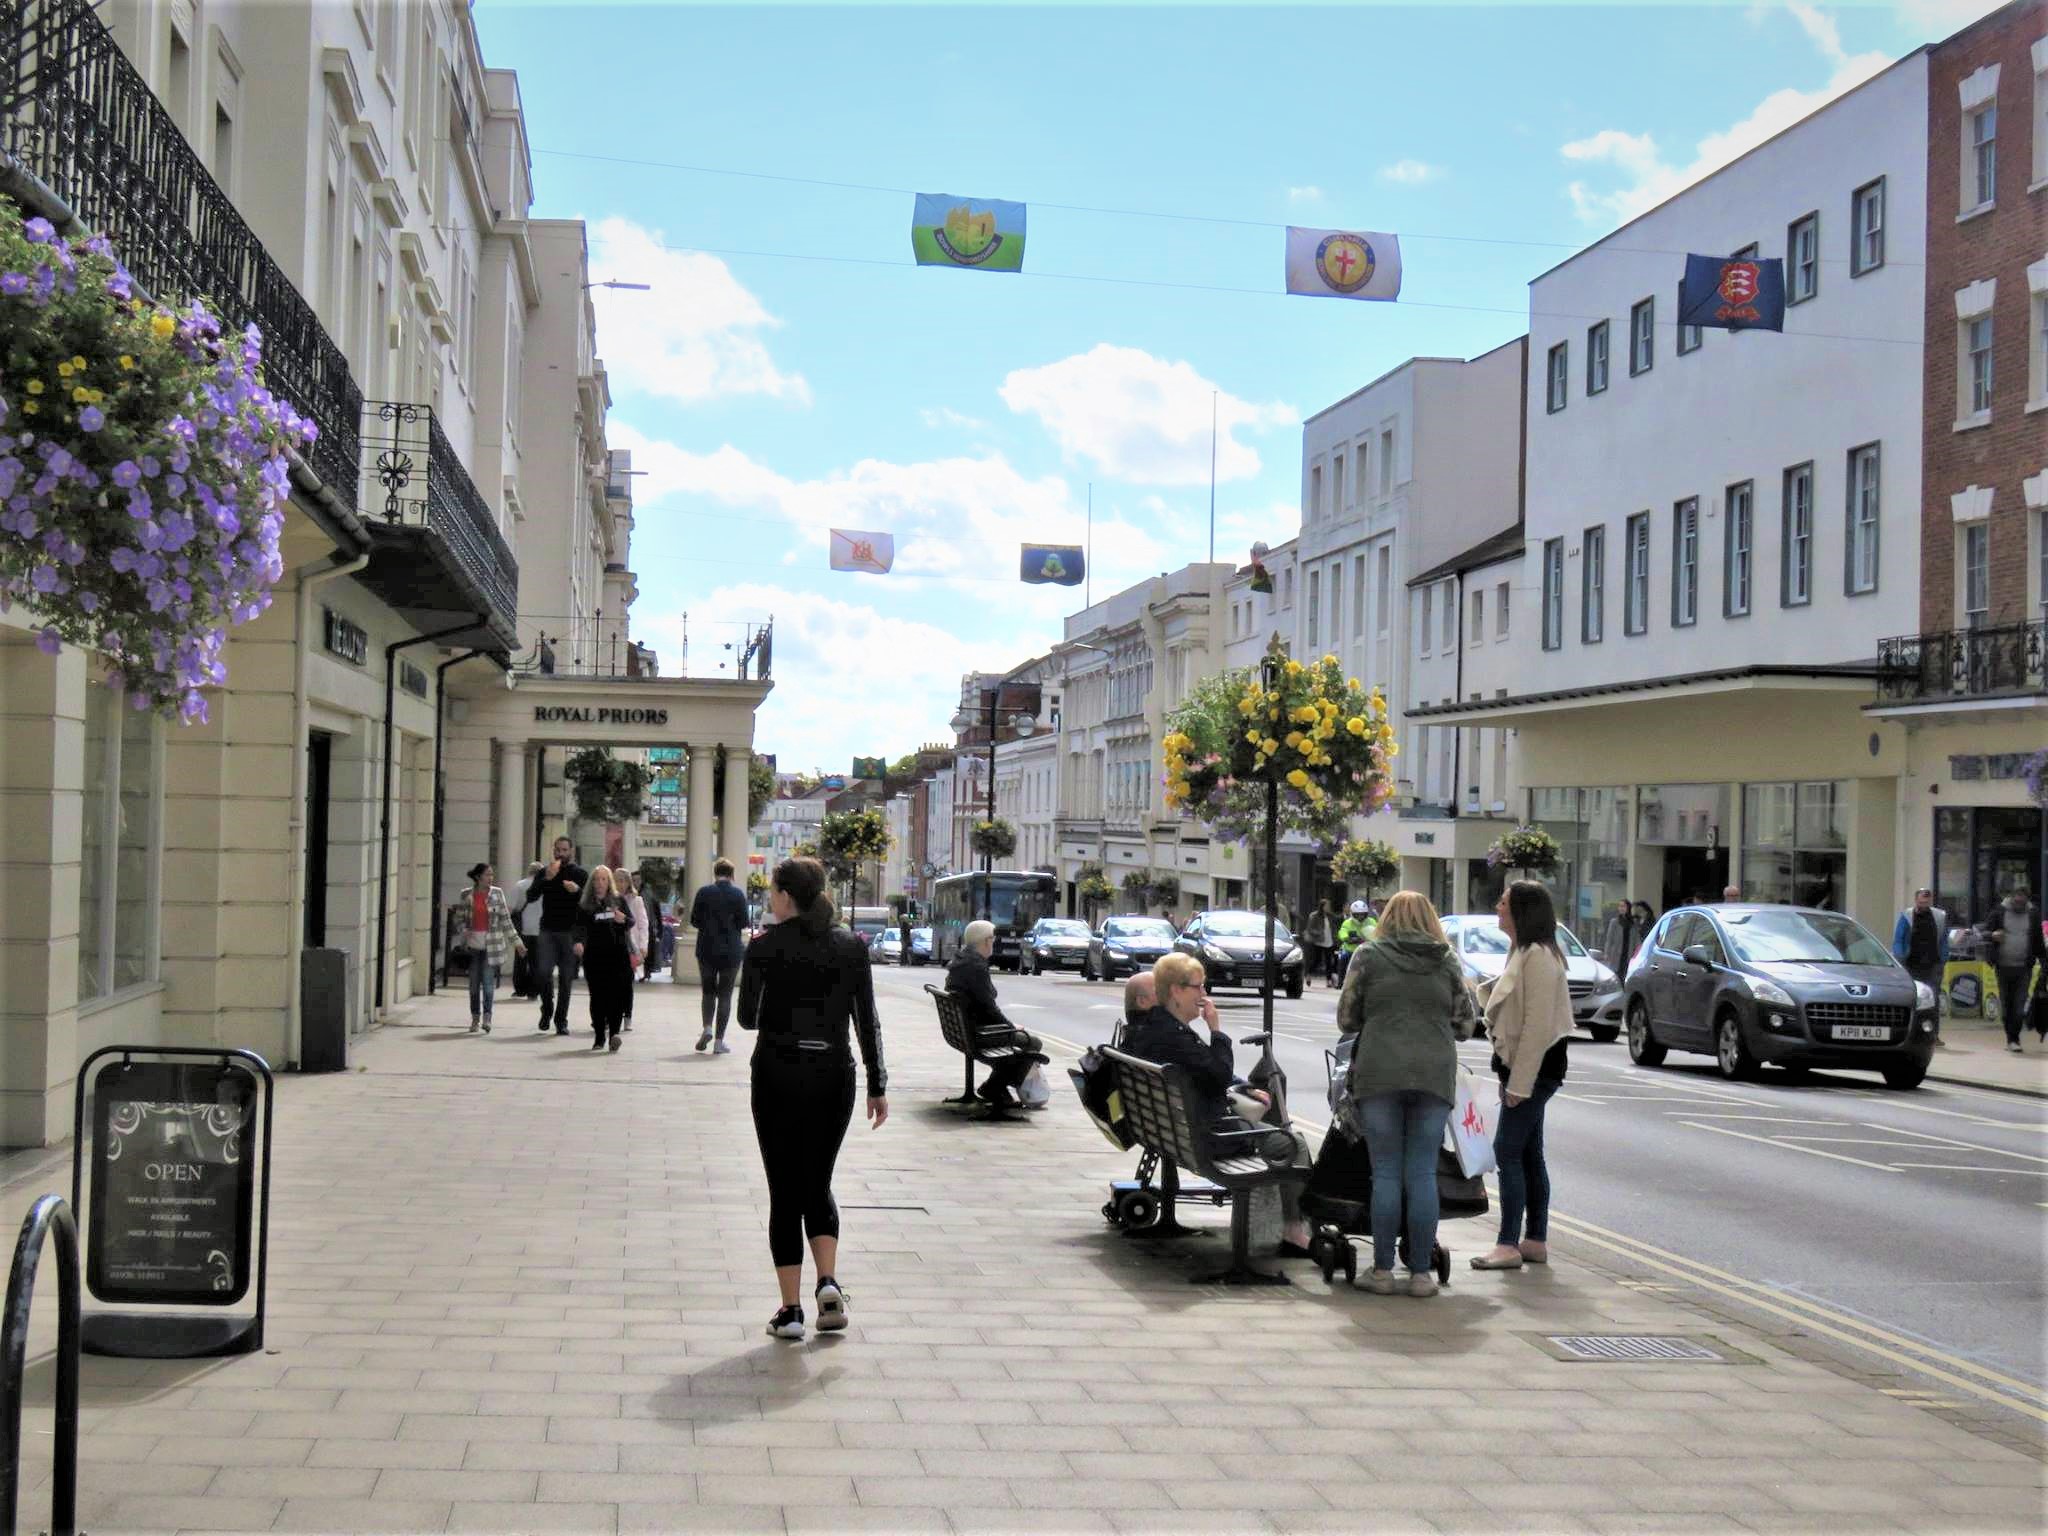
1915	1222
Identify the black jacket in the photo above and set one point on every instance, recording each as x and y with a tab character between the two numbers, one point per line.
969	979
1159	1036
605	943
559	912
800	984
719	914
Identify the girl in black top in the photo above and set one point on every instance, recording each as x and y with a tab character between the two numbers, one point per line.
802	982
604	932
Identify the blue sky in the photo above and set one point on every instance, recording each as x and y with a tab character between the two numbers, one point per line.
790	370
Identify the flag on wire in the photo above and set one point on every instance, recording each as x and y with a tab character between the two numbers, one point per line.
1061	564
1343	264
1733	294
948	231
853	550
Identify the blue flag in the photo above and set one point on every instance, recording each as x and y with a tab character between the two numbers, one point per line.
1061	564
1733	293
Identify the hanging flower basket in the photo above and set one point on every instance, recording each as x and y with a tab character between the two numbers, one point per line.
1094	887
1528	848
1323	738
1365	865
997	839
142	468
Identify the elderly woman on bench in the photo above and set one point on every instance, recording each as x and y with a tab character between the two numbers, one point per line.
968	979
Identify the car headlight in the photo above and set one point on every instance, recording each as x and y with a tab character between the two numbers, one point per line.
1770	992
1215	952
1115	949
1923	994
1293	956
1605	979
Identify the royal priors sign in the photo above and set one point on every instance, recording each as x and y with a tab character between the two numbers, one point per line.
587	714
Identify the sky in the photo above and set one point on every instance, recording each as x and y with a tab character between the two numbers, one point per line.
789	370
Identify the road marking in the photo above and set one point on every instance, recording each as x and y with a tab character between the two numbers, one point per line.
2038	1173
1772	1141
1778	1119
1957	1114
1944	1141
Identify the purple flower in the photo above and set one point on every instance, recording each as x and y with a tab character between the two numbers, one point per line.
39	231
13	284
150	467
91	419
89	601
44	578
49	642
126	474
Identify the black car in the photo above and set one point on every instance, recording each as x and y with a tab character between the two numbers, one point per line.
1123	946
1232	949
1789	986
1054	944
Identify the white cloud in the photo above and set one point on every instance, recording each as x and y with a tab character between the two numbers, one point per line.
946	416
1304	194
1139	418
1936	19
1411	173
1646	178
694	335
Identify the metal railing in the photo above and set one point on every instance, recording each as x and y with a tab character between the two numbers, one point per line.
76	116
49	1217
412	478
597	645
1993	661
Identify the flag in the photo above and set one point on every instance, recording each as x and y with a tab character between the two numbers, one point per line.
853	550
1061	564
1734	294
870	768
980	232
1343	264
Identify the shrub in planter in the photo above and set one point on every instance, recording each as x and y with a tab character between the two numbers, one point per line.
142	467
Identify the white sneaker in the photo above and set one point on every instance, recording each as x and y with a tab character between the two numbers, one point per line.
2014	1047
1421	1283
831	1306
721	1049
787	1324
704	1040
1380	1282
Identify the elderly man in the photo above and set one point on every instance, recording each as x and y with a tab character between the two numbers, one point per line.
968	979
1141	996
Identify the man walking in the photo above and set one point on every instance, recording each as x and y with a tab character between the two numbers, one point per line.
525	909
1920	944
556	890
1320	938
1619	940
2017	945
719	914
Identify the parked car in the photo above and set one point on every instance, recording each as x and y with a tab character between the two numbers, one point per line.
920	946
1789	986
1482	948
1054	944
1123	946
1232	948
887	947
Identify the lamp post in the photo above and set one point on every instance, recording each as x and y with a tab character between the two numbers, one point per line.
1022	724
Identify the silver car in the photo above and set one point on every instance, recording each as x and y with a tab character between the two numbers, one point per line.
1482	949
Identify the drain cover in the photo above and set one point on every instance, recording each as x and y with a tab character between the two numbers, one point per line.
1637	1348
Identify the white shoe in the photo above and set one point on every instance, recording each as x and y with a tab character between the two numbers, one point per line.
1380	1282
2014	1047
831	1306
787	1324
1421	1283
721	1049
704	1040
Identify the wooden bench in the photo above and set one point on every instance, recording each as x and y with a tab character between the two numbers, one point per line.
958	1034
1159	1109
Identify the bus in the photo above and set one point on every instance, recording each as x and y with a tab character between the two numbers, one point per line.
1016	899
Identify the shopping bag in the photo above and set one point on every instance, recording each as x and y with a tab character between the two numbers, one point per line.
1095	1082
1470	1131
1034	1092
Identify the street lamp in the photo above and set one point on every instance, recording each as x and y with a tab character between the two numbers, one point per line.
1022	724
613	282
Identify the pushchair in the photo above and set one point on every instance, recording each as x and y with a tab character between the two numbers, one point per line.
1337	1201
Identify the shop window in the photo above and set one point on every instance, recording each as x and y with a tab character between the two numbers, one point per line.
117	901
1795	845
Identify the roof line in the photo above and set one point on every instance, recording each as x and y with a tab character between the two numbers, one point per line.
1847	671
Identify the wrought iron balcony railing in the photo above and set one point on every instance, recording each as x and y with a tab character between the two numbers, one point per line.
413	479
76	115
2001	660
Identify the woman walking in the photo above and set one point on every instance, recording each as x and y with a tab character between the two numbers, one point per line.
636	943
802	983
604	927
1528	1017
491	940
1405	999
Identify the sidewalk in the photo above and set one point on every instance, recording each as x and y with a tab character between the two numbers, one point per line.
1973	1054
519	1287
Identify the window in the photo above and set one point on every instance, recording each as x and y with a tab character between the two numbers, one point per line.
1478	615
1596	358
1315	605
1685	562
2040	115
1337	483
1866	228
1738	546
1593	586
1795	576
1450	636
1386	461
1500	609
1336	603
1795	844
1287	587
1315	492
117	897
1863	515
223	148
1635	613
1688	339
1383	593
1802	259
1976	574
1983	171
1428	616
1977	355
2040	560
2037	347
1361	463
1553	594
1642	336
1553	399
1358	596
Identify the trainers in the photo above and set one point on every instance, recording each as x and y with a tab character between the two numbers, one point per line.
1420	1283
831	1306
474	1024
614	1041
704	1041
597	1044
721	1049
487	1026
629	1023
2013	1046
546	1024
1380	1282
787	1324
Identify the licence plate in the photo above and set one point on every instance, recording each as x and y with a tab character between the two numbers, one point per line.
1862	1032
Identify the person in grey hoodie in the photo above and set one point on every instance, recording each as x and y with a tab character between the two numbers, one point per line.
1406	1000
2014	932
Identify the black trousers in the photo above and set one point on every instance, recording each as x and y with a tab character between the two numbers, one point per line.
803	1103
609	979
2012	999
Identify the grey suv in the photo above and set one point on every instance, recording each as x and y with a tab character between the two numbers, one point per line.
1790	986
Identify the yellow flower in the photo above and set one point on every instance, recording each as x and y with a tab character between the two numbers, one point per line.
1329	659
1294	738
78	363
65	370
1298	779
81	395
1246	706
35	386
1393	749
1273	713
1315	794
163	326
1253	736
1355	725
127	361
29	407
1269	746
1293	668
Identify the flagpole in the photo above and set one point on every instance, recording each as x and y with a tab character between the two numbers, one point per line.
1088	554
1212	476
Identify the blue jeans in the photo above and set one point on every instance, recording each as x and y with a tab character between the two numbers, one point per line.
554	974
1524	1178
483	982
1403	1131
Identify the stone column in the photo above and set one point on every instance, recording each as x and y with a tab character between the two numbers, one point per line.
513	855
696	868
733	828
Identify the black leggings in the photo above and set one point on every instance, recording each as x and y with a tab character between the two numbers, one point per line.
801	1110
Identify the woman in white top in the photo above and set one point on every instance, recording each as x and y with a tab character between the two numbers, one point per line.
629	887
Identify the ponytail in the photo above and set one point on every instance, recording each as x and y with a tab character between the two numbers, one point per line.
803	882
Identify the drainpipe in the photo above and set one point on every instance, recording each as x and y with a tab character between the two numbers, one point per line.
391	651
304	580
437	952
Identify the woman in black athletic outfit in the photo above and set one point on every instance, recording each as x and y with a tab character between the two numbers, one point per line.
802	983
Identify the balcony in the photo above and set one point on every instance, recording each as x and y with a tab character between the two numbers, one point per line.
439	556
1963	667
594	646
76	117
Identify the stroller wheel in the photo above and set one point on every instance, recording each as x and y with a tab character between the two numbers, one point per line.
1109	1213
1440	1257
1350	1264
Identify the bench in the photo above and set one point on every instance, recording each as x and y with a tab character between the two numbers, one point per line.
959	1035
1158	1107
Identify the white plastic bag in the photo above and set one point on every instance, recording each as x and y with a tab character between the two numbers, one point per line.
1034	1092
1470	1132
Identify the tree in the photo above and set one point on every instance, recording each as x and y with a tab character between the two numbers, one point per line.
904	767
760	785
849	839
1365	865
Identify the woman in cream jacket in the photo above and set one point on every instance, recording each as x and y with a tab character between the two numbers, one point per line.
1528	1016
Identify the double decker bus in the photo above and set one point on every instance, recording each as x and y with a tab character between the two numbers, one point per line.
1016	899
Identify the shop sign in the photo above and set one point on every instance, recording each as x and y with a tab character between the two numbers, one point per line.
1965	768
587	714
349	641
1425	839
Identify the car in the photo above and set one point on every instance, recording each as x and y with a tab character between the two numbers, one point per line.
1232	948
920	946
1123	946
887	947
1056	944
1796	987
1482	949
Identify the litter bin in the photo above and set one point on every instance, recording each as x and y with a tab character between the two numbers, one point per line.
323	1010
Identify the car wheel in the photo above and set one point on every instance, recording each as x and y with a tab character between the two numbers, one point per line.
1905	1074
1294	989
1604	1034
1643	1048
1731	1051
